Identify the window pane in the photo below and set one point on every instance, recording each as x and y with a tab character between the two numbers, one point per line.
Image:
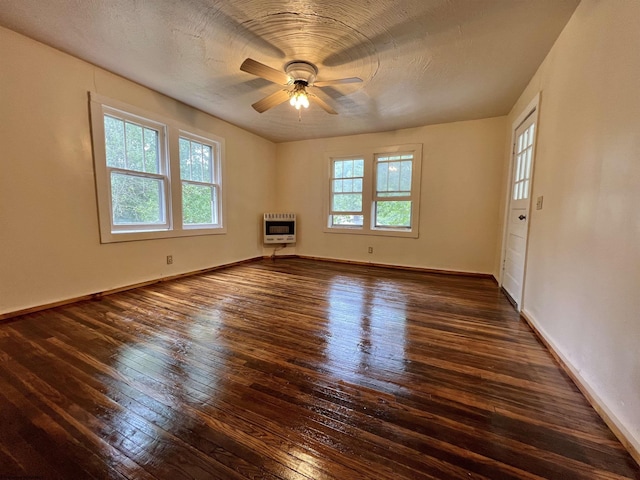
394	176
382	180
347	202
347	169
337	186
347	220
519	170
337	169
532	129
207	162
196	161
357	185
393	214
198	204
358	168
137	200
114	141
185	159
405	175
134	147
347	185
151	156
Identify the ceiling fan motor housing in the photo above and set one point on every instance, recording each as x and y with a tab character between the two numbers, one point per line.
301	71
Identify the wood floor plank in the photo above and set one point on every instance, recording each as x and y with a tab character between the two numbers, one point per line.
295	369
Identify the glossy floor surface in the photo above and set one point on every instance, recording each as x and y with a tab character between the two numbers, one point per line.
294	369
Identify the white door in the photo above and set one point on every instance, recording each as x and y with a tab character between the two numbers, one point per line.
518	213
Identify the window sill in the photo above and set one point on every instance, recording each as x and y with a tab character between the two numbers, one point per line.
379	232
116	237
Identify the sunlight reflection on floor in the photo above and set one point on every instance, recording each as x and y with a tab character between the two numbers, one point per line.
367	330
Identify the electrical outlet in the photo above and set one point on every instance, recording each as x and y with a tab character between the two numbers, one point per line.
370	249
169	259
539	203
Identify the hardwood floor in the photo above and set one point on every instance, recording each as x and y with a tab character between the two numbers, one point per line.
294	369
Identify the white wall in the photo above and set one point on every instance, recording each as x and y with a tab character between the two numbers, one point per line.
49	239
461	175
582	286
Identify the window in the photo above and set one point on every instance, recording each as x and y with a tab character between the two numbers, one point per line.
523	163
376	192
198	173
137	172
154	178
346	195
393	191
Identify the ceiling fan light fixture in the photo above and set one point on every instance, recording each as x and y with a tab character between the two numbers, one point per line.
299	96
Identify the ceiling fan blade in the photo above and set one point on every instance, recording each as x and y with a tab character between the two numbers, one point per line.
271	101
339	81
324	105
263	71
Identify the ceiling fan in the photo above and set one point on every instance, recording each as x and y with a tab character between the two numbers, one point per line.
297	76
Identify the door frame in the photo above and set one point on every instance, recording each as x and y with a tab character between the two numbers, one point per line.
533	108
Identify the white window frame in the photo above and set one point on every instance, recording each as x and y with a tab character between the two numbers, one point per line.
378	198
171	130
162	176
215	178
332	179
369	197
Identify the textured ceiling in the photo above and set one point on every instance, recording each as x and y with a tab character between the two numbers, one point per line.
421	61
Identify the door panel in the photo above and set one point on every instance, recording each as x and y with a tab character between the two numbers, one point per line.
518	213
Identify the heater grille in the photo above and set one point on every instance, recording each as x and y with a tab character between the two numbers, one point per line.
279	228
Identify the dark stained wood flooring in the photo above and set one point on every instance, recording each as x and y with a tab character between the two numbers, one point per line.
294	369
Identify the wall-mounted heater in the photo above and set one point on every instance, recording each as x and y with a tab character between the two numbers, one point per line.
279	228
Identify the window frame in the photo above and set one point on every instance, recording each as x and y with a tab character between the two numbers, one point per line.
215	179
369	191
332	180
161	176
379	198
100	106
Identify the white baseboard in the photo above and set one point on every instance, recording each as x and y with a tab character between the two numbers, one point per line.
619	430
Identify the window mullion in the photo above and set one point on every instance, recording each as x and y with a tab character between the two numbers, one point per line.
136	173
399	198
202	184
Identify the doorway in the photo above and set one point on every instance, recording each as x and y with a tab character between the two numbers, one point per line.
517	216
